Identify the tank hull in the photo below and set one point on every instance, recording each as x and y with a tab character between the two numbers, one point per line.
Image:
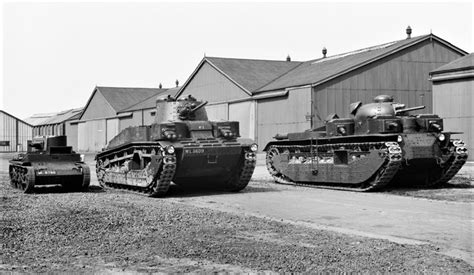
27	175
147	166
365	163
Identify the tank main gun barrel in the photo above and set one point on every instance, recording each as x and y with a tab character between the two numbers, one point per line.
409	109
198	107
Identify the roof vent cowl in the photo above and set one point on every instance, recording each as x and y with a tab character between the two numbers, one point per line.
325	51
408	32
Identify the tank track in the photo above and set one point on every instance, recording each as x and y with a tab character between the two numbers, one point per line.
454	164
384	176
161	180
22	177
250	161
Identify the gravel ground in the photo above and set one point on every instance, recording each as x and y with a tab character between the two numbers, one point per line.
117	231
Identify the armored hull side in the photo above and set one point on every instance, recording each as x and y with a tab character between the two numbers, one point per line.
379	146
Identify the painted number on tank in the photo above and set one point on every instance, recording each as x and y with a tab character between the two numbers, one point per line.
194	151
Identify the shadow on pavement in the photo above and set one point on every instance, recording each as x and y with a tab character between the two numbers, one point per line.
209	190
58	189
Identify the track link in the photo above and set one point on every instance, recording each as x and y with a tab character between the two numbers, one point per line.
383	177
160	182
454	164
246	172
22	177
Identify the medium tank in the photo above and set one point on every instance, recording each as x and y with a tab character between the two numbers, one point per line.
381	143
49	161
182	147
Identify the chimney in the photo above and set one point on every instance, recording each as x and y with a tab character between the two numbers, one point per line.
177	83
288	58
160	86
325	51
408	32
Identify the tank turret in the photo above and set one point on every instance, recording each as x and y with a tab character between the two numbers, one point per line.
181	146
186	108
380	143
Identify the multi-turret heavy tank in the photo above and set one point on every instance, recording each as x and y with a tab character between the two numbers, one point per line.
181	146
380	144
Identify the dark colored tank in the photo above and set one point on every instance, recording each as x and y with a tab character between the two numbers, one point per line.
181	146
49	161
380	144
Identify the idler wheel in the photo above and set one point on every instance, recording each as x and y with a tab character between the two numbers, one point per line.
27	182
13	176
86	177
269	160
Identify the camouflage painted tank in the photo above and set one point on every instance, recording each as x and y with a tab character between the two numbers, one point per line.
49	161
181	146
380	144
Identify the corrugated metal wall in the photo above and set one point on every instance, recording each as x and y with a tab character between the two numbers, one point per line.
72	134
244	113
283	115
454	102
217	112
14	134
50	130
134	120
403	75
91	135
112	128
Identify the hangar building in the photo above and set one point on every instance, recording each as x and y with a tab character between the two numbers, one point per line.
270	97
453	99
109	110
14	133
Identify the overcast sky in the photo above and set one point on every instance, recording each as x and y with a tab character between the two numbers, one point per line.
54	54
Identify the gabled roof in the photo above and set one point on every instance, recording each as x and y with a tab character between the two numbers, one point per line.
150	102
248	74
38	119
2	111
461	64
318	71
63	116
121	98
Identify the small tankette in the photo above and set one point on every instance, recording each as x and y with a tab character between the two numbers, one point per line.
49	161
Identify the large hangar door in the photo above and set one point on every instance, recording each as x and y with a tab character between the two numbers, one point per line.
112	128
283	115
244	113
91	135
